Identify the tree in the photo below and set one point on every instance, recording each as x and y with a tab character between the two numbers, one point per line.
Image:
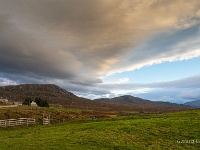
45	104
38	101
27	101
41	103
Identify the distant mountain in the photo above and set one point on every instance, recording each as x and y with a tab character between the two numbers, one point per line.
126	99
131	100
195	104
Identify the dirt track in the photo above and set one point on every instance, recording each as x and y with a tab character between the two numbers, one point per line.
8	106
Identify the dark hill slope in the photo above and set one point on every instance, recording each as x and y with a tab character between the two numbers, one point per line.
131	100
195	104
50	92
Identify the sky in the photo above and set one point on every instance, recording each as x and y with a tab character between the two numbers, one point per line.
100	48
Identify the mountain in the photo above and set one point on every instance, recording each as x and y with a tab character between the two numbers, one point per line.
195	104
126	99
50	92
131	100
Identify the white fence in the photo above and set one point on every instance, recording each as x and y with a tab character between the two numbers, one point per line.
46	121
16	122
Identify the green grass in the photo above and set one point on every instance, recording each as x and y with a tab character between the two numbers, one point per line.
148	132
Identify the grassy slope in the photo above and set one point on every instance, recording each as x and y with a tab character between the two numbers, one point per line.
137	132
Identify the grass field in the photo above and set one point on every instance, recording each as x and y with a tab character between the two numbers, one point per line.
153	132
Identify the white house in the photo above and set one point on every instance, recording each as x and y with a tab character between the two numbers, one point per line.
34	104
4	100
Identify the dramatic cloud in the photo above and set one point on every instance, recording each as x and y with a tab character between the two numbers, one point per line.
74	43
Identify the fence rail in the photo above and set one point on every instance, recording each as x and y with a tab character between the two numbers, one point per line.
46	121
16	122
2	123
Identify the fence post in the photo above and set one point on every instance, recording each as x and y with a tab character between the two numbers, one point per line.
43	119
27	122
49	118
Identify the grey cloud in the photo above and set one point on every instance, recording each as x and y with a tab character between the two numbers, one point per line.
84	90
191	94
86	82
189	82
167	95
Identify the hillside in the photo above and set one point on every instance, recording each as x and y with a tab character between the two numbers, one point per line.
195	104
50	92
131	100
